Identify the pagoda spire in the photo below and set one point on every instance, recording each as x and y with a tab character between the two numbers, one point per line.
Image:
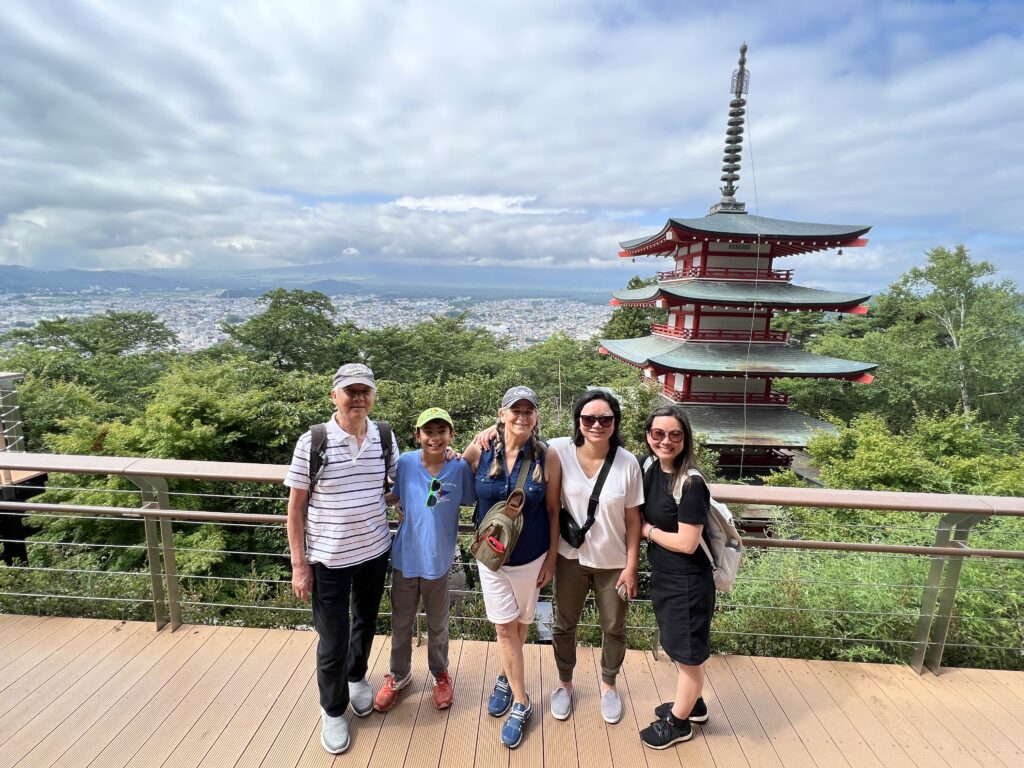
734	139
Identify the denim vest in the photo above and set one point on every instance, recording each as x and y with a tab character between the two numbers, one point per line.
536	536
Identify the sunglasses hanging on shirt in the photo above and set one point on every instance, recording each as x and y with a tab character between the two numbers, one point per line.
435	492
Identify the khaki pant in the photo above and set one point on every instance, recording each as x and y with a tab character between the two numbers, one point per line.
572	584
405	599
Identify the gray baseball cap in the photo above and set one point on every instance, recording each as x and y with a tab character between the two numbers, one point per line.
354	373
515	394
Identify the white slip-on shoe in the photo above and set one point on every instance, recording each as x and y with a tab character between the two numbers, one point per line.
611	706
360	696
561	703
334	733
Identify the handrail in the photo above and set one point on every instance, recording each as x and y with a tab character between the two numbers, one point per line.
898	501
136	513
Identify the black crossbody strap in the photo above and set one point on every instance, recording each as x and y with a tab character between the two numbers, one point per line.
598	485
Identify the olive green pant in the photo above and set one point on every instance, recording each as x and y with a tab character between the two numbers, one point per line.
572	584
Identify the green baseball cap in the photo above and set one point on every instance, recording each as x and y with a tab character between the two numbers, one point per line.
434	414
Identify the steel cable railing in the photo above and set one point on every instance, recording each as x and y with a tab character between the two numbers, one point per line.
787	597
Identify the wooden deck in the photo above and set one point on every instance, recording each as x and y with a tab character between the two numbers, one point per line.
83	692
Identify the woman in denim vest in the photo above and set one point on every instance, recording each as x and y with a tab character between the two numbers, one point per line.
510	593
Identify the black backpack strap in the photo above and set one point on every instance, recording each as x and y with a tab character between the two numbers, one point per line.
596	495
386	439
317	452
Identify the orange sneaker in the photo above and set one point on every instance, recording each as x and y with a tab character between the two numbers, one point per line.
443	693
387	696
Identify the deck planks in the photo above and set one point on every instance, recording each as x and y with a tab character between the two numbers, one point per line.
105	693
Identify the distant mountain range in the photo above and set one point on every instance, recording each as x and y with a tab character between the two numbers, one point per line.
332	279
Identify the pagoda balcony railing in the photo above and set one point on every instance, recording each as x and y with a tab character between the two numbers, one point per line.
727	398
720	335
771	459
157	530
727	273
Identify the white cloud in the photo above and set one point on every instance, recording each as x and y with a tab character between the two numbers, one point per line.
238	243
156	135
463	203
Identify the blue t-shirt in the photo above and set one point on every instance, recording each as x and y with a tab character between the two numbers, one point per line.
424	545
535	539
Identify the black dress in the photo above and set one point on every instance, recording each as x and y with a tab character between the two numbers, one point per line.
682	585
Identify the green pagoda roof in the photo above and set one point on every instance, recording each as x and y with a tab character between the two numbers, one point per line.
747	226
760	426
756	359
730	293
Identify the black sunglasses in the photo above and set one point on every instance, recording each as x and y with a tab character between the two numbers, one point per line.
588	421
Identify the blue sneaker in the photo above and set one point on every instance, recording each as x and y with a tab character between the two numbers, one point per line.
512	731
501	697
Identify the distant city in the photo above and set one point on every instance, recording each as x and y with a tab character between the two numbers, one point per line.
196	316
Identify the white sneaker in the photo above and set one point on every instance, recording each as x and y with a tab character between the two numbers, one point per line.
334	733
360	696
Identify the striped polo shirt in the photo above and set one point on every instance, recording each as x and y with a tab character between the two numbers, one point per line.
346	523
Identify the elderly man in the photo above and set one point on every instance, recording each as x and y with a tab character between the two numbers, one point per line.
339	541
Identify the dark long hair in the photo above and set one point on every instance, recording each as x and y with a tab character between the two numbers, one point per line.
588	397
686	460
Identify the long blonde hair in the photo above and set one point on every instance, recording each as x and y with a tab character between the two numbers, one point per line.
497	464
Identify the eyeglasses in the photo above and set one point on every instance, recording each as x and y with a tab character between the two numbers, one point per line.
588	421
657	435
355	394
435	492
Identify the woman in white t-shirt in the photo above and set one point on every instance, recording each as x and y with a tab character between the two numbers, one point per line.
607	558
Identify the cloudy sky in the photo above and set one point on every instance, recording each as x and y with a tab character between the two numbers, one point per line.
177	134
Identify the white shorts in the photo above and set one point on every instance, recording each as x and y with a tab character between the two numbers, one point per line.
510	594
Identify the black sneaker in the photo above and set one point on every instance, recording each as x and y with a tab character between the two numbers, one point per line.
699	713
662	734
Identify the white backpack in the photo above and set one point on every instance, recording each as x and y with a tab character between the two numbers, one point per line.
726	551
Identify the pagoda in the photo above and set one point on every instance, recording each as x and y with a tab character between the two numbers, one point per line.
716	353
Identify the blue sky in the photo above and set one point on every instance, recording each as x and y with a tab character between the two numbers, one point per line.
191	134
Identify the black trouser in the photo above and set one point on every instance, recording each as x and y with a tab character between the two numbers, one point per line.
342	656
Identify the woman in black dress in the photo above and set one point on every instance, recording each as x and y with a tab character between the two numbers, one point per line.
682	586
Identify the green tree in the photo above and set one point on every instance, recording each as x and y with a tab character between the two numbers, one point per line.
99	367
112	333
297	331
954	453
805	328
945	339
434	350
977	325
632	322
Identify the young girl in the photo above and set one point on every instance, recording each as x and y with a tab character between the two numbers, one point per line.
430	490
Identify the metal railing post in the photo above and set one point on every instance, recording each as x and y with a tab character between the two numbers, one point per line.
940	627
155	575
155	495
930	595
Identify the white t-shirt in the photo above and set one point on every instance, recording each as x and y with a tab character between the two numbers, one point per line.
605	544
